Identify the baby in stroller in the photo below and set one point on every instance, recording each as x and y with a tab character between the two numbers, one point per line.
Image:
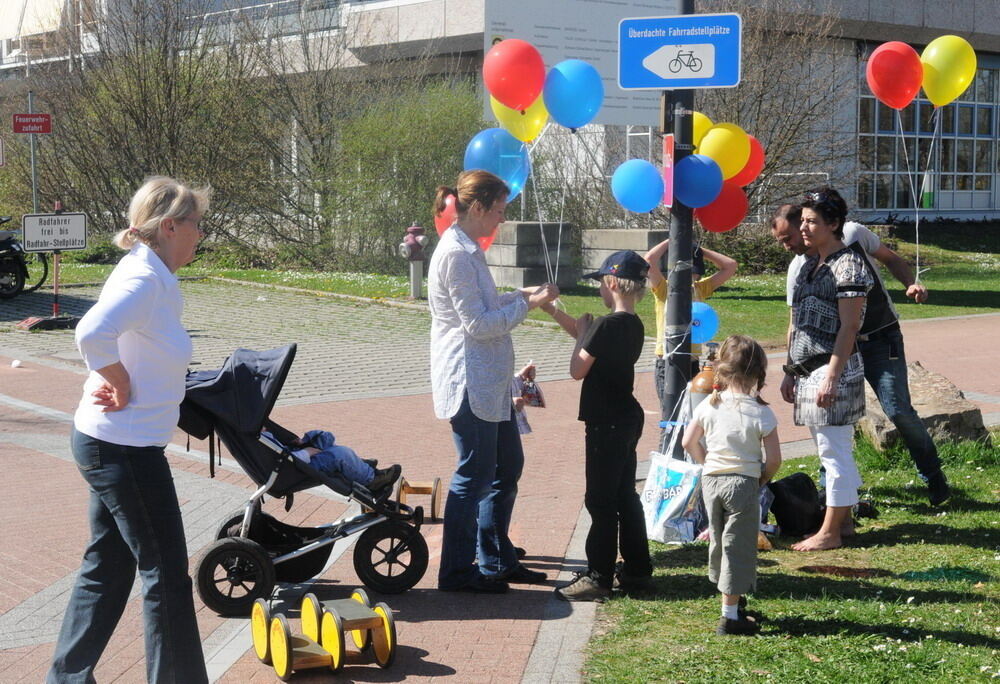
319	449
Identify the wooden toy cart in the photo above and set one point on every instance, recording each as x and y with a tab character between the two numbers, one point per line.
423	487
322	642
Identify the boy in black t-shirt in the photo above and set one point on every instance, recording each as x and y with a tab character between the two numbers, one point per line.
604	358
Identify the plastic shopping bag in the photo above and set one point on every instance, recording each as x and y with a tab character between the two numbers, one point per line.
670	499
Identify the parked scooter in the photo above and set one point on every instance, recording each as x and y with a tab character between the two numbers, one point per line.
20	271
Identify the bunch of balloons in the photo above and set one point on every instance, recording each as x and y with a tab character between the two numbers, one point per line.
945	69
523	98
710	181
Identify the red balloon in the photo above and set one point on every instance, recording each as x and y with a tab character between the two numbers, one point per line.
754	165
446	218
726	212
894	74
514	73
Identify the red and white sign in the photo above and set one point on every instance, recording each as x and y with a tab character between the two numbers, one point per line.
32	123
668	170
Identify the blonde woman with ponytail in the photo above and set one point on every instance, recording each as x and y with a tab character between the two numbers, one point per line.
742	454
137	351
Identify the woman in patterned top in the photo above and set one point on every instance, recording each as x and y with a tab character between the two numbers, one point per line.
828	306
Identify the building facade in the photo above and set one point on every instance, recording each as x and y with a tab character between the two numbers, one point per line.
948	157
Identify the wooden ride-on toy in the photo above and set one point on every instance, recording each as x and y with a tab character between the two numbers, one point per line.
370	626
423	487
274	644
321	643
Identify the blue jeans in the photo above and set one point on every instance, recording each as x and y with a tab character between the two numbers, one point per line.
885	370
334	459
135	522
480	499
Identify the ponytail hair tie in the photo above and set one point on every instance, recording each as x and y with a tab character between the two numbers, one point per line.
717	387
133	230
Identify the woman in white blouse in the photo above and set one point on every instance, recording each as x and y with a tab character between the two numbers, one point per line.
472	363
137	351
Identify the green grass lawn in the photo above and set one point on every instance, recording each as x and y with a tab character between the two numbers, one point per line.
960	283
913	598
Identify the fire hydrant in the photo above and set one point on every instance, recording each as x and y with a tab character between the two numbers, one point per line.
412	249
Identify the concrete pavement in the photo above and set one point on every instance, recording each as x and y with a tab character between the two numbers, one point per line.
362	373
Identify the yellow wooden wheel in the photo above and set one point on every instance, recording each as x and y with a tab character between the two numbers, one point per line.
281	647
310	612
260	619
384	637
331	635
362	637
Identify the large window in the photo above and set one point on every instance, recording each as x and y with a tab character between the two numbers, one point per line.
962	158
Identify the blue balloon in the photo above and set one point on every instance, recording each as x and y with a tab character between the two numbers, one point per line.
637	185
497	151
697	180
704	323
573	93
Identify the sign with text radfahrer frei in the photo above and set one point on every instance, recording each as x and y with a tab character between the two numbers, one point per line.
680	52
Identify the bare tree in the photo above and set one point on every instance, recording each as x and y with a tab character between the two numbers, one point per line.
315	155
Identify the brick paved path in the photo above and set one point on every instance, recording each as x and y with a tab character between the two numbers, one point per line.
375	356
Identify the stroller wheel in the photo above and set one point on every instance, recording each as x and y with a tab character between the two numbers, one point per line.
391	557
232	574
232	519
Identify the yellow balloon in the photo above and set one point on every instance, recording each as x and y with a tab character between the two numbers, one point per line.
700	126
525	127
728	145
949	67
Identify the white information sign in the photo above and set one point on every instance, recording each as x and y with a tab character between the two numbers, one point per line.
581	29
51	232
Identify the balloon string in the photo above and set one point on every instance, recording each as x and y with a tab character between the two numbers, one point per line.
562	206
541	226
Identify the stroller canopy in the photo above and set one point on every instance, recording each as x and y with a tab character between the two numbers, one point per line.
241	394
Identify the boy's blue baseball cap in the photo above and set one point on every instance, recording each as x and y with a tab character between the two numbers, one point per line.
623	264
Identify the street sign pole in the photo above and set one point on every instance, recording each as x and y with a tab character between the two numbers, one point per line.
34	168
676	116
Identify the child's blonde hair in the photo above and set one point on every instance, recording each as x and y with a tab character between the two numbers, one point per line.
627	287
742	364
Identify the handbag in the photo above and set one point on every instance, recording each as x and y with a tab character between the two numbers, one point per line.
670	499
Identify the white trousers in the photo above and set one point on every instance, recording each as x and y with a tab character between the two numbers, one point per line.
835	444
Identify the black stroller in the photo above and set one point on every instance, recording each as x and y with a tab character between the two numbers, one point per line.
254	550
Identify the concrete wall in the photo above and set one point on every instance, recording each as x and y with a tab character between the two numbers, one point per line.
599	244
517	257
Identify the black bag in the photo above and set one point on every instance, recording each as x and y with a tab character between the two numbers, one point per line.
796	505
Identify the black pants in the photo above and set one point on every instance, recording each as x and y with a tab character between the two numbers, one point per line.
617	521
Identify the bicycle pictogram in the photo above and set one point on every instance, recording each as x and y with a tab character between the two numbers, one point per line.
684	59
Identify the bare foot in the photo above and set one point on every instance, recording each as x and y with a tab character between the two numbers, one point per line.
818	542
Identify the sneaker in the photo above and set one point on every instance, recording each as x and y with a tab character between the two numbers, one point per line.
742	626
384	478
937	489
584	587
481	584
626	582
522	575
372	462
